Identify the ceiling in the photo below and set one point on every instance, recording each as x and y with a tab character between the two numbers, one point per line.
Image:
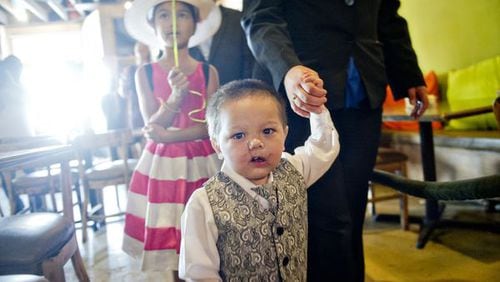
20	12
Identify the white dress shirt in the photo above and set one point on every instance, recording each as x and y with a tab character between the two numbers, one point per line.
199	259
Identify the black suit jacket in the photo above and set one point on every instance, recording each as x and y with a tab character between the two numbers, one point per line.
323	34
229	51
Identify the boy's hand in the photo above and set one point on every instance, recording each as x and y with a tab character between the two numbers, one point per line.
179	83
304	90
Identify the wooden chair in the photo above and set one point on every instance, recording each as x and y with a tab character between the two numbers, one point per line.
394	161
97	170
40	243
42	182
37	182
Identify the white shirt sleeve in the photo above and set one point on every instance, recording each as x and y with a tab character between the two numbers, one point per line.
319	151
200	261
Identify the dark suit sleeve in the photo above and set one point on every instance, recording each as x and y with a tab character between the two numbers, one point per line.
268	37
401	62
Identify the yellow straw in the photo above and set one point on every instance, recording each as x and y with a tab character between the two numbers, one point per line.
176	62
174	31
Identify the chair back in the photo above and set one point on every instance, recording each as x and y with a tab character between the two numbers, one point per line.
30	142
93	141
496	110
103	161
94	146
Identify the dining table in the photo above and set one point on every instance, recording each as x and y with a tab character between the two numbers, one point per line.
435	113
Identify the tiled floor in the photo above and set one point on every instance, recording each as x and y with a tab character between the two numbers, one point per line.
386	259
106	262
390	253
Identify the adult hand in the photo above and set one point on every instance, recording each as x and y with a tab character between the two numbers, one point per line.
418	98
304	90
179	83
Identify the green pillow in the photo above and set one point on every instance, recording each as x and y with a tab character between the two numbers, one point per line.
473	87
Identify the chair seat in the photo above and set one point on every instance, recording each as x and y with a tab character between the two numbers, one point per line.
28	239
109	170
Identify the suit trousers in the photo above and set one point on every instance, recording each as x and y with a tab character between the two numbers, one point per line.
337	201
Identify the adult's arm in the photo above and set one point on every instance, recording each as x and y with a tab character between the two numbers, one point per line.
269	40
401	61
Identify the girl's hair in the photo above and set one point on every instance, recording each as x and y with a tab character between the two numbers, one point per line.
236	90
194	12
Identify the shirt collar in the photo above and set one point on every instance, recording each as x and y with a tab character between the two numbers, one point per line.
240	180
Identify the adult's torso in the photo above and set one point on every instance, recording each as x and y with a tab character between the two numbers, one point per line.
229	52
325	33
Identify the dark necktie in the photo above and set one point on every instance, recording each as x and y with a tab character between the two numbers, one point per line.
262	191
266	191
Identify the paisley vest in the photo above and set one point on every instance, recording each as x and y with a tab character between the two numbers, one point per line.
256	244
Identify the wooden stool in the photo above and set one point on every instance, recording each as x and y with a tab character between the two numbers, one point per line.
39	244
394	161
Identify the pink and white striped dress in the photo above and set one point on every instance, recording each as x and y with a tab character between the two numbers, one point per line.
163	181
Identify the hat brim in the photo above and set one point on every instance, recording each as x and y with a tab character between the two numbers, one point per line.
137	25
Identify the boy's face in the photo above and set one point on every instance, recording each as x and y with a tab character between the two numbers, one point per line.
251	137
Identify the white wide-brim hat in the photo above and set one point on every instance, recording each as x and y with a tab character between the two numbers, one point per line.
138	26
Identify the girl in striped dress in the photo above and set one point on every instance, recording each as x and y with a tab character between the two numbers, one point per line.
178	157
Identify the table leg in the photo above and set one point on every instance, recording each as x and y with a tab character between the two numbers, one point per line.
432	208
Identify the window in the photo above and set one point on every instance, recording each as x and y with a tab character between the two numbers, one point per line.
63	91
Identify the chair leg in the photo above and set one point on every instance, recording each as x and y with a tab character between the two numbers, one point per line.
372	194
53	268
84	213
117	198
53	199
403	208
405	223
102	214
78	196
79	267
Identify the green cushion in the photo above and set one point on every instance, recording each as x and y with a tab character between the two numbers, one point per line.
472	87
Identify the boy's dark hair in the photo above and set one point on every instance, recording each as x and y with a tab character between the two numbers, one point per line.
238	89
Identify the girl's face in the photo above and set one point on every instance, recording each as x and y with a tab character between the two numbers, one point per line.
251	137
162	21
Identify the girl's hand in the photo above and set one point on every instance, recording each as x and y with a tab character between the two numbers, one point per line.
179	83
154	132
